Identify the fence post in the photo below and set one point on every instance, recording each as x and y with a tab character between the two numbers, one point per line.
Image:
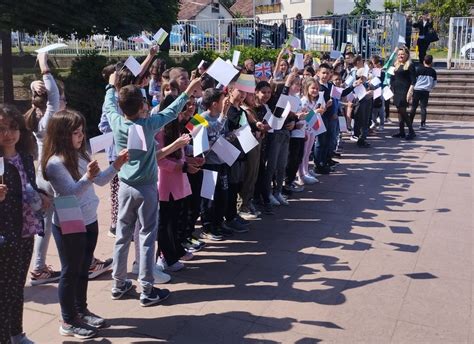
219	34
450	42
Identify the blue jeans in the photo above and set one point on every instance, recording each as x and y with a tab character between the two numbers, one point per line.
75	252
333	135
276	159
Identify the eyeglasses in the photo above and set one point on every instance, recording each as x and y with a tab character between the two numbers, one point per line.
11	129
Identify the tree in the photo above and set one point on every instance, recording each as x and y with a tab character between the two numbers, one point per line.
81	18
394	5
361	8
444	9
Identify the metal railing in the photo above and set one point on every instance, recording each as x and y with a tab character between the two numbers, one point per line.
461	43
366	35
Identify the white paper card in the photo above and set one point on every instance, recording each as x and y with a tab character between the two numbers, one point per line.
350	97
366	70
321	99
133	65
235	58
299	61
221	71
294	102
377	72
51	47
246	138
336	92
342	124
101	142
319	127
209	181
201	63
401	40
136	138
349	80
2	166
200	140
375	81
360	92
335	54
391	70
387	93
377	92
225	151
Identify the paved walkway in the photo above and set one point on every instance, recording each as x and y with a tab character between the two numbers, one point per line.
379	252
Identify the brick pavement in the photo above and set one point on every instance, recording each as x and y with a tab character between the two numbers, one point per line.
379	252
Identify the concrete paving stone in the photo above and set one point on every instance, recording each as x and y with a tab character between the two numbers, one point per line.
41	320
408	333
259	333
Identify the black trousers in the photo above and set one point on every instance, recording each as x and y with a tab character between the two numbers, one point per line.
173	217
419	98
213	211
194	209
15	260
75	252
404	119
295	156
423	45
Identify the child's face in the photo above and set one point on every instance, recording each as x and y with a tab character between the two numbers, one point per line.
324	75
263	95
167	91
9	133
183	81
336	80
191	106
249	65
295	87
237	96
283	67
250	99
307	74
313	90
216	107
77	137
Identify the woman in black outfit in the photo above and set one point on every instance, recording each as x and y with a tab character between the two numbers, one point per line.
402	84
424	25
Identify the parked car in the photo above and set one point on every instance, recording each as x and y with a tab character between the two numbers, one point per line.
199	40
467	51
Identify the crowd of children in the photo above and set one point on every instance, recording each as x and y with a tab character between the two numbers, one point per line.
155	189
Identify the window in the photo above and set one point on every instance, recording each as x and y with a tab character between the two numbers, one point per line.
215	7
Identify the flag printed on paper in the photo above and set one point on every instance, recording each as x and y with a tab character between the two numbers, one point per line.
200	140
246	83
145	40
318	126
69	214
160	36
311	118
336	92
196	120
263	69
293	42
208	186
136	138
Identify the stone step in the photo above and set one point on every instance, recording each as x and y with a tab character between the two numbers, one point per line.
436	94
449	104
455	72
461	81
456	89
441	113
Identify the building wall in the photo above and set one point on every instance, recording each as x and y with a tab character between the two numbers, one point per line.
207	13
346	6
290	8
321	7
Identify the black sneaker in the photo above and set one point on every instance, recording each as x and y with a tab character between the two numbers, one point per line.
399	136
91	319
410	136
333	162
155	296
268	209
77	329
234	226
98	267
363	144
118	292
322	169
226	232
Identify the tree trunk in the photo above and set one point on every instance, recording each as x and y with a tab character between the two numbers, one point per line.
6	38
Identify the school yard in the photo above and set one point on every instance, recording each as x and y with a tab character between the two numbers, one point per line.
379	252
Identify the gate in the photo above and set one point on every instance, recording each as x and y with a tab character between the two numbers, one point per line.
461	43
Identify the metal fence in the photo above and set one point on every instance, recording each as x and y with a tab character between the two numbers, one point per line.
363	34
461	43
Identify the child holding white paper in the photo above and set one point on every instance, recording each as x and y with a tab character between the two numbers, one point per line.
138	187
363	112
46	100
309	101
213	211
173	192
69	169
19	220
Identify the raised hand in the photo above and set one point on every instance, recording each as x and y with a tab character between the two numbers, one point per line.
122	158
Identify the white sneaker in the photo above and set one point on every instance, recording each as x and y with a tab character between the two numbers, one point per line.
373	125
282	200
187	256
160	277
310	180
162	265
135	268
273	200
313	174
